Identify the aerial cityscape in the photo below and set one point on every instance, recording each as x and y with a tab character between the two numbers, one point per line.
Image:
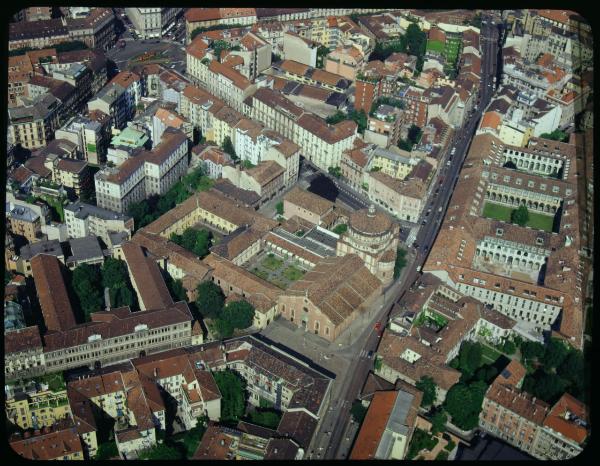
298	234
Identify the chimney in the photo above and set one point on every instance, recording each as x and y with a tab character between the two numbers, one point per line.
156	372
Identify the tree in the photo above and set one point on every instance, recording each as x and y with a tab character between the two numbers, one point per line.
239	313
322	52
279	207
416	41
555	353
161	451
572	367
548	387
233	396
340	229
509	347
196	241
556	135
335	171
463	403
469	357
114	273
106	451
223	328
176	288
532	350
358	411
400	262
86	284
414	134
268	418
405	145
218	46
438	422
210	299
336	118
520	216
428	387
228	147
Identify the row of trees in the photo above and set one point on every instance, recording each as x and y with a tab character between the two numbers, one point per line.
150	209
196	241
226	318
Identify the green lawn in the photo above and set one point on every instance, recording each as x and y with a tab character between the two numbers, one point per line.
435	45
540	221
489	355
293	273
271	262
497	211
501	212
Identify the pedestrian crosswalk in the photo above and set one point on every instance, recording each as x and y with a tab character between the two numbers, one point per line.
412	235
364	354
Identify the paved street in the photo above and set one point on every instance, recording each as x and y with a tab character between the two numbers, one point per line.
174	52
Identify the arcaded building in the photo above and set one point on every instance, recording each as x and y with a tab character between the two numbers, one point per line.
373	237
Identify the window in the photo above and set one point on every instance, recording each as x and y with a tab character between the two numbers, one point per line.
499	232
555	189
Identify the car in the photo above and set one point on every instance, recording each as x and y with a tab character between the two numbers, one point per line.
369	354
172	66
426	248
415	245
437	191
427	213
449	162
454	149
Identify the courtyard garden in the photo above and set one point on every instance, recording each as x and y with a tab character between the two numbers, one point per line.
504	213
276	270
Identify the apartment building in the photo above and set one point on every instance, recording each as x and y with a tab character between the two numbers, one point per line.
25	222
228	84
144	174
499	262
89	220
152	22
59	442
313	76
265	179
545	432
388	426
119	98
33	125
323	143
206	17
213	160
46	33
91	138
74	175
345	61
256	53
403	199
299	49
96	29
35	409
